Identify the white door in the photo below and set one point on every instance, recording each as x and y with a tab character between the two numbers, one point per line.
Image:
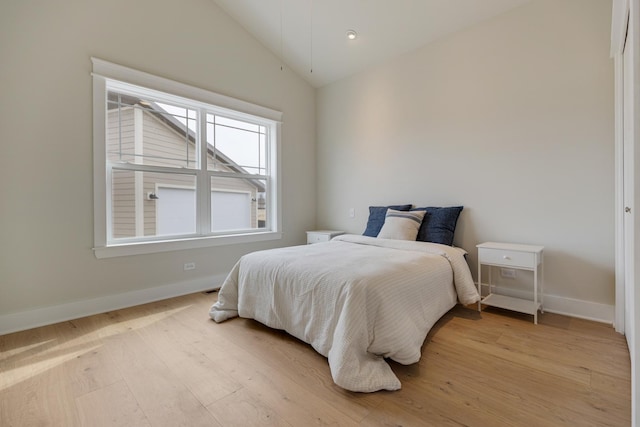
631	192
628	186
175	211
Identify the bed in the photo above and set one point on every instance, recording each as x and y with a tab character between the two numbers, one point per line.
355	299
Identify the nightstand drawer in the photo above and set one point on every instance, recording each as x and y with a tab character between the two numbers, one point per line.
507	258
321	236
317	237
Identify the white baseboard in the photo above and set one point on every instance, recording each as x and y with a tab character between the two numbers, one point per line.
21	321
603	313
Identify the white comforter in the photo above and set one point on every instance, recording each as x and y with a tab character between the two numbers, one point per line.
355	299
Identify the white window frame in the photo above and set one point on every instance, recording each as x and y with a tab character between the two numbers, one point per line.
104	72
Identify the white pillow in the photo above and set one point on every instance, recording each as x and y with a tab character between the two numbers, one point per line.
401	225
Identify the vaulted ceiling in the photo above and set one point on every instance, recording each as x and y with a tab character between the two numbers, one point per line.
310	35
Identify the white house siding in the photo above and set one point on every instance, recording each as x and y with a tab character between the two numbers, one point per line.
123	205
127	131
122	191
162	146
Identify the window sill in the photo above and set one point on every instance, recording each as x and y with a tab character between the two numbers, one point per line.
141	248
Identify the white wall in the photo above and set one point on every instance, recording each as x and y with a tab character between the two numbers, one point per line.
513	119
46	200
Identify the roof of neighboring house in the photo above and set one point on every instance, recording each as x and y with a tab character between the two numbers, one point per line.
178	127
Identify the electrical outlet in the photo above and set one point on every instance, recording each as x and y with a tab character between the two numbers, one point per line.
352	213
190	266
508	273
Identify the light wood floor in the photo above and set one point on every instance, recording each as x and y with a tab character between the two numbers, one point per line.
168	364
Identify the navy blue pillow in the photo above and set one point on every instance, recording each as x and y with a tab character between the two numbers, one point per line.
377	215
439	224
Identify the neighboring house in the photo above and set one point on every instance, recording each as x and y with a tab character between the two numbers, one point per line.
155	204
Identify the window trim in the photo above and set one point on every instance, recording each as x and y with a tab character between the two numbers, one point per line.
103	71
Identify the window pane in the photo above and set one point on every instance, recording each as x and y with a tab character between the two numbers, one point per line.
235	146
238	204
152	204
142	131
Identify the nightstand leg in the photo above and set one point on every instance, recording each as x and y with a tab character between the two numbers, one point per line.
490	280
535	295
541	285
480	285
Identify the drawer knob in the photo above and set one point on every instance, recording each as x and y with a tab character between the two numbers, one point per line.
505	257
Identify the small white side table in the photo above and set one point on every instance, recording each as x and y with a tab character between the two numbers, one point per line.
521	257
318	236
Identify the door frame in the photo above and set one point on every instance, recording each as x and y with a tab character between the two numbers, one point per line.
620	15
626	15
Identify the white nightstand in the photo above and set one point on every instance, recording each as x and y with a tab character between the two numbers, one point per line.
318	236
521	257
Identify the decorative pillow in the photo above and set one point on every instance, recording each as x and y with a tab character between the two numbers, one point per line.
401	225
376	218
439	224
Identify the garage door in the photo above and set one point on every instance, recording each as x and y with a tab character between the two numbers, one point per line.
176	211
230	211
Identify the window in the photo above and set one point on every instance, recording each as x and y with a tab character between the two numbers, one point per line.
179	167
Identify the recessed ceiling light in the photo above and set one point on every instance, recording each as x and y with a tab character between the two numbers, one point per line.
351	35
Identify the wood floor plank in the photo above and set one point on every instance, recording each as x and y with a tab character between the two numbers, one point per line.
173	343
574	372
618	388
543	390
43	399
445	394
91	369
113	405
551	327
159	392
244	409
584	354
166	363
514	392
389	414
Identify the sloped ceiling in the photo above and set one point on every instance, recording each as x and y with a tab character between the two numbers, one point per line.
310	35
